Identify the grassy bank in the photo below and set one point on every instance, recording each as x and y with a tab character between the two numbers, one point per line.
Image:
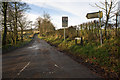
106	57
10	47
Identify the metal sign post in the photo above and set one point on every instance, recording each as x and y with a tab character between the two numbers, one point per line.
100	32
97	15
64	24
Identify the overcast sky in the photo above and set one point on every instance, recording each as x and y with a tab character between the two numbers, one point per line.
76	10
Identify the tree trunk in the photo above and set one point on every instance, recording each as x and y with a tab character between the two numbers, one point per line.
39	26
106	23
21	34
5	20
15	28
107	16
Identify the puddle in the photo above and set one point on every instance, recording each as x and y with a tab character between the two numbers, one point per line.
34	47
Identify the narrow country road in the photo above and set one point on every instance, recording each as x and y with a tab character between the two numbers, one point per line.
40	60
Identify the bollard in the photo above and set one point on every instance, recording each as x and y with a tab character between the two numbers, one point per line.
81	42
75	41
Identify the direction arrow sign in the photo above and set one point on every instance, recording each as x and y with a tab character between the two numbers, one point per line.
95	15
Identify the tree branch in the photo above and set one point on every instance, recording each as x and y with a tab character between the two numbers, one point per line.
99	7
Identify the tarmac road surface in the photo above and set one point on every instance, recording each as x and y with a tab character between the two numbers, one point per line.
41	60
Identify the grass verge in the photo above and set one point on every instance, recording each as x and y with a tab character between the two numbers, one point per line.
105	57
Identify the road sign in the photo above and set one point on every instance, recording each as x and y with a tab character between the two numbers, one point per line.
95	15
64	21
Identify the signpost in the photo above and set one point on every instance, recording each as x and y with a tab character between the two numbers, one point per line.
97	15
64	23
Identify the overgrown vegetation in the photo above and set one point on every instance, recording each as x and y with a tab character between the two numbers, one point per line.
28	37
107	56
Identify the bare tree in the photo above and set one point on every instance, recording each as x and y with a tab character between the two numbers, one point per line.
39	23
44	24
109	9
10	13
18	8
22	25
46	16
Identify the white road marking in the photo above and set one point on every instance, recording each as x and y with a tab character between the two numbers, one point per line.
56	65
23	68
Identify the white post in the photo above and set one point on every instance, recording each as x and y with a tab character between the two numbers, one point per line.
64	33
